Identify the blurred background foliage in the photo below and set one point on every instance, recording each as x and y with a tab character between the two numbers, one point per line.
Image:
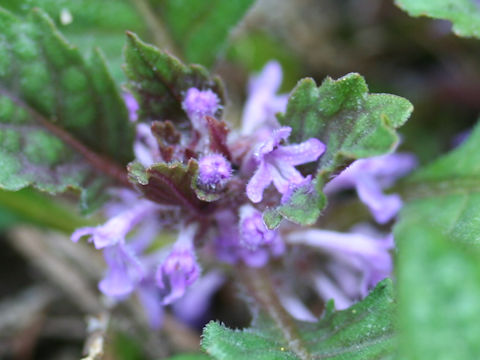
417	58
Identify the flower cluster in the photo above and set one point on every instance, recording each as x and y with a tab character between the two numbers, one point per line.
251	169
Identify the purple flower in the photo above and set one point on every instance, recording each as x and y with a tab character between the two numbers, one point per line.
116	229
230	248
214	171
296	307
146	147
150	298
200	103
263	103
123	273
193	307
276	163
132	106
253	231
328	289
350	253
180	269
369	177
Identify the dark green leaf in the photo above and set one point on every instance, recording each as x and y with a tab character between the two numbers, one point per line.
200	28
439	288
56	110
446	193
159	81
365	331
89	24
464	14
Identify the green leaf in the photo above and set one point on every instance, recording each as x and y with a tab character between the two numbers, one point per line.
365	331
127	347
29	206
89	24
200	29
351	122
439	286
59	114
464	14
169	184
446	193
438	267
342	114
159	81
302	208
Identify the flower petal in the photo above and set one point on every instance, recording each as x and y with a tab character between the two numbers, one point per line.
297	154
258	183
383	207
284	176
123	273
263	103
79	233
340	243
150	299
193	307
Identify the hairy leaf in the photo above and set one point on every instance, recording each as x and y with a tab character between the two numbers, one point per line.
351	122
446	193
200	28
342	114
464	14
89	24
365	331
59	114
159	81
169	184
303	208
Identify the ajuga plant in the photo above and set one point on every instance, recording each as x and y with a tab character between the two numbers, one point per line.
194	195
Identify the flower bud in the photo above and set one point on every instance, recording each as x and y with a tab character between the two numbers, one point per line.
214	171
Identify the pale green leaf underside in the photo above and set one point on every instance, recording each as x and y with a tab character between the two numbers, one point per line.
464	14
201	28
45	85
365	331
446	193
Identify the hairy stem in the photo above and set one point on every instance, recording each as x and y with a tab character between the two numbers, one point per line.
260	286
